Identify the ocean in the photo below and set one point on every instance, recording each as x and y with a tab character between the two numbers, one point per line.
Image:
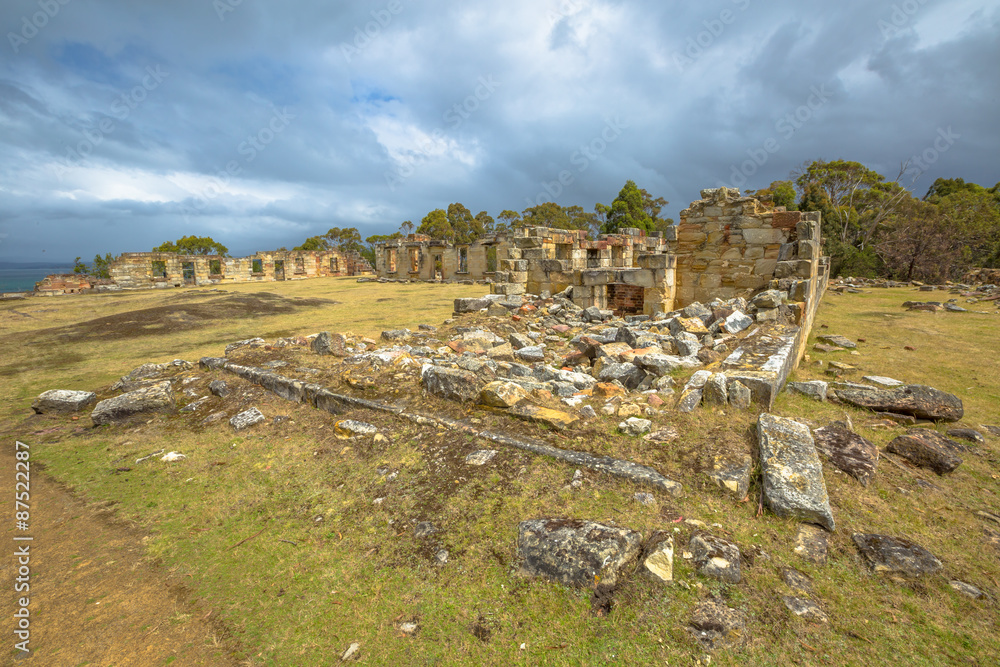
23	279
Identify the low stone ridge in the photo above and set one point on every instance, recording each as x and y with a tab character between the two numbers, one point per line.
791	471
717	626
716	558
848	451
63	401
928	449
896	555
156	398
574	552
914	399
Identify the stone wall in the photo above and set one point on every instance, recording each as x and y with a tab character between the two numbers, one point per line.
140	270
418	257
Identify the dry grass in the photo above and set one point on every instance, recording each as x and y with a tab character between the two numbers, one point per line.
359	571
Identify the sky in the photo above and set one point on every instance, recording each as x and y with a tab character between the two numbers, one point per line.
259	123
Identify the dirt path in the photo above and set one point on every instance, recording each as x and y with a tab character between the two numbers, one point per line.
95	599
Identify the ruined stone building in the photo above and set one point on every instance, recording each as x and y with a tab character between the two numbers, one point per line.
145	270
419	257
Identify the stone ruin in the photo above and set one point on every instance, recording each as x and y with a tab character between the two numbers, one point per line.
149	270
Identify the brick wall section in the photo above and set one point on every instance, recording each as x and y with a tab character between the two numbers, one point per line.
625	299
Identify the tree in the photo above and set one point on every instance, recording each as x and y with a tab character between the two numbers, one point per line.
651	206
508	220
78	266
628	210
778	193
464	227
549	214
486	222
346	240
369	251
406	228
193	245
317	243
435	225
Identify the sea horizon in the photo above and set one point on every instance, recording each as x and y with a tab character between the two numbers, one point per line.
23	279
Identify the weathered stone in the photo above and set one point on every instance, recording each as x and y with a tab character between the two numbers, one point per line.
533	413
330	343
502	352
848	451
717	626
797	581
627	410
715	557
575	552
732	473
839	341
453	384
219	388
663	435
396	335
156	398
736	322
635	426
659	557
791	471
928	449
896	555
805	609
883	381
688	345
768	299
502	394
629	375
471	305
249	342
351	427
531	353
918	400
967	434
967	589
246	419
715	391
740	396
816	389
811	543
480	457
519	341
659	365
63	401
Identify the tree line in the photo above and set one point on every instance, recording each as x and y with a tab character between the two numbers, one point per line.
875	227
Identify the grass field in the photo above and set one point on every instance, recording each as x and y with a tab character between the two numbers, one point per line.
303	541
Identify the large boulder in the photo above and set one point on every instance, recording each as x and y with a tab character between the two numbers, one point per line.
896	555
63	401
848	451
156	398
575	552
450	383
791	471
913	399
927	449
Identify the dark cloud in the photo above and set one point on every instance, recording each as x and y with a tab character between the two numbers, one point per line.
125	124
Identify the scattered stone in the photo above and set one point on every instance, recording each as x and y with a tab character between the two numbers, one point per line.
927	448
848	451
471	305
715	557
353	652
791	471
659	557
635	426
805	609
839	341
663	435
424	529
992	430
896	555
173	456
647	499
502	394
409	628
441	556
967	434
626	410
736	323
249	342
480	457
587	412
396	335
820	347
732	473
883	381
194	406
575	552
768	299
155	398
715	391
63	401
453	384
246	419
836	369
816	389
811	544
918	400
350	427
798	581
326	343
531	354
967	589
519	341
740	396
219	388
717	626
533	413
